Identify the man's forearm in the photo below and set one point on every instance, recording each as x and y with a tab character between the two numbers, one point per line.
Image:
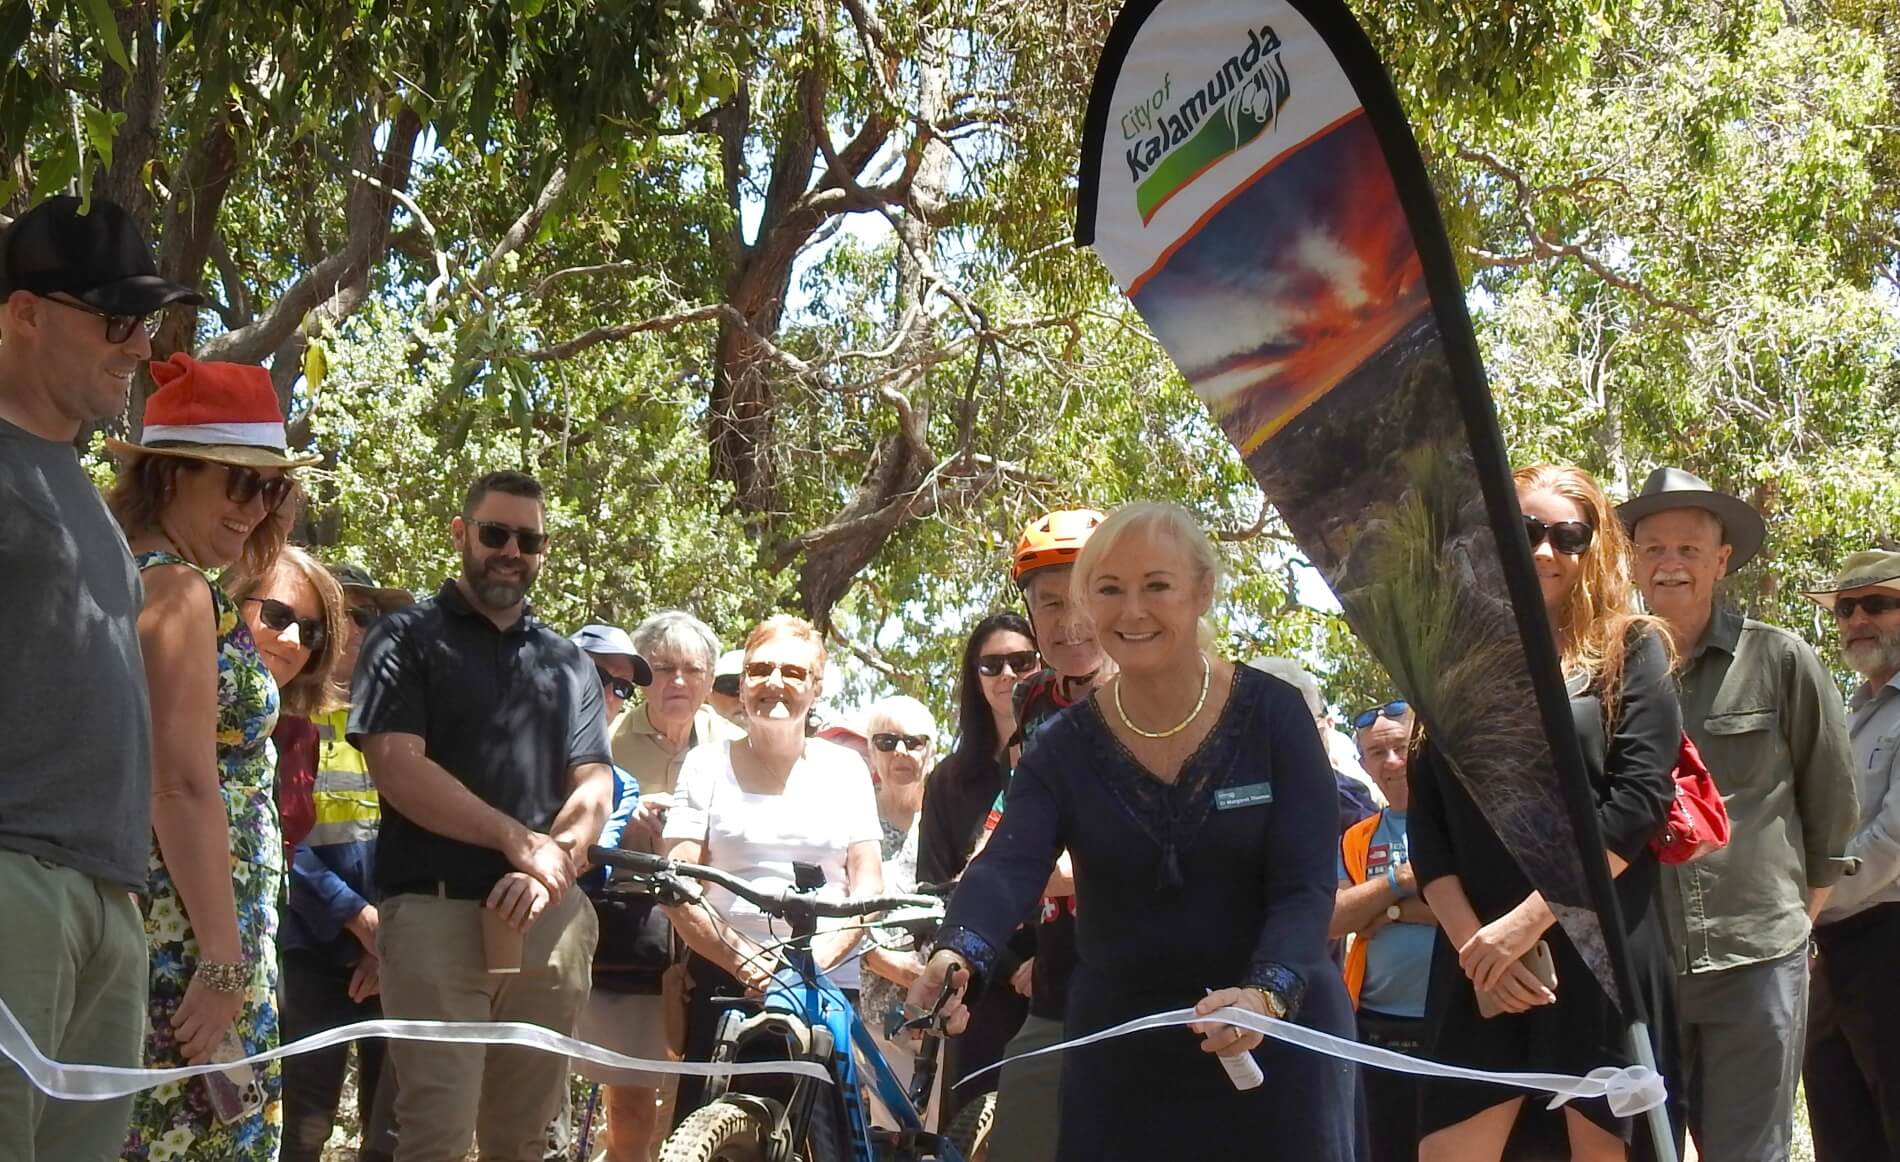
582	817
1357	906
435	800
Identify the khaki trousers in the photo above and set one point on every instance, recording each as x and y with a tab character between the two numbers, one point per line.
73	970
502	1096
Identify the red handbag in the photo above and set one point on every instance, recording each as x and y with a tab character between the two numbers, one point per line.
1698	822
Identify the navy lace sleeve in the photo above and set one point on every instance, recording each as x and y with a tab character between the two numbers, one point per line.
1000	887
1301	865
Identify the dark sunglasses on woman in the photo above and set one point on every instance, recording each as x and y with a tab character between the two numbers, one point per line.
241	484
1021	663
494	535
618	687
281	617
760	671
1874	603
1372	714
914	743
1570	537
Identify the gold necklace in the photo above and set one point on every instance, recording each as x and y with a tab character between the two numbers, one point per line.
1207	672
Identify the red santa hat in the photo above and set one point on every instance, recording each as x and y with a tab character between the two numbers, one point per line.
222	412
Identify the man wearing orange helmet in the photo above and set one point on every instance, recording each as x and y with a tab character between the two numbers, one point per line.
1074	664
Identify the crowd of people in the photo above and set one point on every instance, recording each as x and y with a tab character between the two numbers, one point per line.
249	795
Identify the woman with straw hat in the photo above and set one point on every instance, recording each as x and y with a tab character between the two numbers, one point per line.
208	485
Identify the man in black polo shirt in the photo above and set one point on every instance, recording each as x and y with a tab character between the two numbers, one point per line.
484	734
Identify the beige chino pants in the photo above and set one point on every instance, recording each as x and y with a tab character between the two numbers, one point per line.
502	1096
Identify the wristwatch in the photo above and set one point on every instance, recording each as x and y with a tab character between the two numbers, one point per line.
1276	1007
1392	912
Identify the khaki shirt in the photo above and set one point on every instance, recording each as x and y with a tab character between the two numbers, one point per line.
1769	722
1874	726
641	752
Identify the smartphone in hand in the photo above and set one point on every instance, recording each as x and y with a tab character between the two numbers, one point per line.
235	1093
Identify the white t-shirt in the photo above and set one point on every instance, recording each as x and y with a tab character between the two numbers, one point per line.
827	806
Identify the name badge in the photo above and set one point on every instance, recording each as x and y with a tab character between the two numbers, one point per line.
1251	795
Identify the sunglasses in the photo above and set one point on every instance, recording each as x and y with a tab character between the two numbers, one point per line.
241	484
727	684
1394	709
760	671
119	328
364	616
1019	663
915	743
618	687
496	536
281	617
1569	537
1874	603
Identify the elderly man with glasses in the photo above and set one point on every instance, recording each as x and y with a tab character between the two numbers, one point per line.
1853	1053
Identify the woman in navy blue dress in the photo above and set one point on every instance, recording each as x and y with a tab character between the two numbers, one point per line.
1198	810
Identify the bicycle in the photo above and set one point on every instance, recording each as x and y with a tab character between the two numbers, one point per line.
802	1017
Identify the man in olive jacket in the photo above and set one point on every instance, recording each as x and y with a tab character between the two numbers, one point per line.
1769	722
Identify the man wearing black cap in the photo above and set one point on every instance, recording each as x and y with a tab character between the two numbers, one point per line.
1768	720
75	769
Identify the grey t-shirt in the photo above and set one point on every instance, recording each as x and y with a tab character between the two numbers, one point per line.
75	724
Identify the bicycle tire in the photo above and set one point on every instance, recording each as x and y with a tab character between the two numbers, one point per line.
720	1132
970	1130
823	1141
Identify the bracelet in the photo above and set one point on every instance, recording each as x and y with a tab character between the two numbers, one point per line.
232	977
1392	880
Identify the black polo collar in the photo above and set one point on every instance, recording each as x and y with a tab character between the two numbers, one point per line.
452	599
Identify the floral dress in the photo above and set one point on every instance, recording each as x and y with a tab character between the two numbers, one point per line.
879	998
174	1121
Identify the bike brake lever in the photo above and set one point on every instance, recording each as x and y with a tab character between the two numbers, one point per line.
929	1019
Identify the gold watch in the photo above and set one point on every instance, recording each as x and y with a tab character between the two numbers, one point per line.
1276	1008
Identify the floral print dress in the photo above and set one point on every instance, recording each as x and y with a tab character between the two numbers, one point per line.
174	1121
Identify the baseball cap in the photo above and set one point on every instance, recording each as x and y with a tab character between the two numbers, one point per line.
611	639
100	257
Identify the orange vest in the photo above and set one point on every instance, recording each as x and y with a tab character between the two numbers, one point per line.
1354	847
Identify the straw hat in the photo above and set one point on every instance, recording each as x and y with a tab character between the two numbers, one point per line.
225	413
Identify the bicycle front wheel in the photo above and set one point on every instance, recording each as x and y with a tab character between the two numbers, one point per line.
719	1132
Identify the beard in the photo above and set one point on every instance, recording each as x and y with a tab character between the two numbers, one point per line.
497	592
1880	656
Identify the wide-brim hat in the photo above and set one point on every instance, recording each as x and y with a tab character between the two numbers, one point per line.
225	413
1875	568
99	257
356	579
1667	488
612	640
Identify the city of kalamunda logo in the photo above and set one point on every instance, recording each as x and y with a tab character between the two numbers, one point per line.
1234	106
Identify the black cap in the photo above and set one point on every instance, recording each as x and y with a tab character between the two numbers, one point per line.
100	258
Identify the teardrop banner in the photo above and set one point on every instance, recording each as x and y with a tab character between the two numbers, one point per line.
1250	180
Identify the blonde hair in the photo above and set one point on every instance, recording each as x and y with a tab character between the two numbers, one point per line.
1600	615
319	689
791	626
1169	521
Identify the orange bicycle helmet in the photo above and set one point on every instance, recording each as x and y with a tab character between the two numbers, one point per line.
1056	539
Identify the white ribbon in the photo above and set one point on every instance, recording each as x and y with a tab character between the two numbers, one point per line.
1630	1090
100	1082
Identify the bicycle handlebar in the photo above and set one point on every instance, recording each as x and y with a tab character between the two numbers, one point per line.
785	904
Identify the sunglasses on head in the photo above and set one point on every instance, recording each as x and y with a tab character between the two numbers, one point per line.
495	535
281	617
1019	663
727	684
1394	709
1874	603
618	687
119	328
760	671
915	743
364	616
241	484
1569	537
